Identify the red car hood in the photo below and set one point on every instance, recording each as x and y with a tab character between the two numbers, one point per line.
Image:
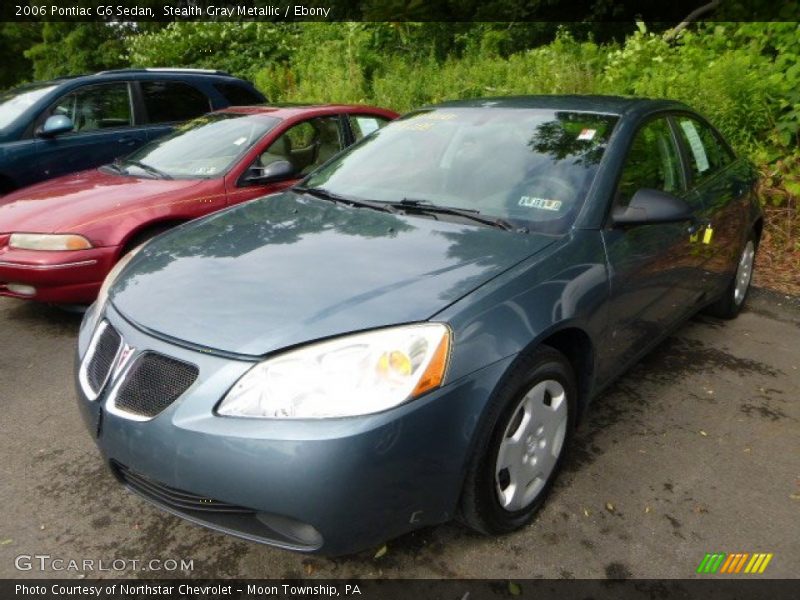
66	203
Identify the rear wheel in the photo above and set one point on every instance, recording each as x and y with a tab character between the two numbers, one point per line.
732	301
520	450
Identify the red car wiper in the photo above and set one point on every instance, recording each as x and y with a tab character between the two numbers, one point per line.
147	168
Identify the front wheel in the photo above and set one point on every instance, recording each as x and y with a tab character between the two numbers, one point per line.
732	301
520	449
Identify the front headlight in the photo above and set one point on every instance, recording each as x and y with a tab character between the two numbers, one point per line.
352	375
49	241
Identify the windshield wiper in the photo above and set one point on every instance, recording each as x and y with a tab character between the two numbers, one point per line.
147	168
115	166
424	206
319	192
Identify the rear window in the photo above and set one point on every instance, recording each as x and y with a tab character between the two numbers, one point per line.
238	95
170	101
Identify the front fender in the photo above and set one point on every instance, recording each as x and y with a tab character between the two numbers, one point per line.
566	285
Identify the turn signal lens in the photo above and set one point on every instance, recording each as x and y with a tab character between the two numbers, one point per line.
21	289
48	241
434	374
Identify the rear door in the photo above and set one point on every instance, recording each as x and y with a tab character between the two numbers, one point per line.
654	269
105	129
167	103
724	184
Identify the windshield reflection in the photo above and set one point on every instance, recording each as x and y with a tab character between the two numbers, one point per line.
203	148
530	167
14	102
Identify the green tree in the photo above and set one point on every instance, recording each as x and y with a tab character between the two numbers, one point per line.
15	39
75	48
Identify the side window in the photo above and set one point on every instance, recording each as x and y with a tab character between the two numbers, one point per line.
362	125
170	101
97	107
707	154
306	145
238	95
653	162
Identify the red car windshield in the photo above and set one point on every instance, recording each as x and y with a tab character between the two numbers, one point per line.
202	148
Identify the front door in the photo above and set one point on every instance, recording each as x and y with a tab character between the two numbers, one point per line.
655	270
104	130
306	145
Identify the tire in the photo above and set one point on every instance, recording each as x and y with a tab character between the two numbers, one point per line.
496	498
730	304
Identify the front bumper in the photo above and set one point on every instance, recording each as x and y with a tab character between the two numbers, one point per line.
69	277
353	482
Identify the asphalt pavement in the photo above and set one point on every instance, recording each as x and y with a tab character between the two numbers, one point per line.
696	450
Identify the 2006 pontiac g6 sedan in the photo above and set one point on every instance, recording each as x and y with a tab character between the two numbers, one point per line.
412	332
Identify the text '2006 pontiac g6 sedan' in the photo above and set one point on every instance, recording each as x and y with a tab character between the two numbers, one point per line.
412	332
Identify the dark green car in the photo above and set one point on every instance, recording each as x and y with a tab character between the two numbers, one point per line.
412	332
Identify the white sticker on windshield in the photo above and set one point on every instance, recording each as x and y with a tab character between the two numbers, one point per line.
541	203
696	144
587	134
239	141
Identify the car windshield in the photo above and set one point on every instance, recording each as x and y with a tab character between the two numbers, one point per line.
14	102
529	167
201	148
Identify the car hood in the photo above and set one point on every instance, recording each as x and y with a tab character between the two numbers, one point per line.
66	204
288	269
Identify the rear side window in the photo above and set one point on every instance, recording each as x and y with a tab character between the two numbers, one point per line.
707	154
362	125
238	95
653	162
170	101
96	107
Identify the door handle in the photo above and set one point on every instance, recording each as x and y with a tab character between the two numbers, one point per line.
128	140
698	224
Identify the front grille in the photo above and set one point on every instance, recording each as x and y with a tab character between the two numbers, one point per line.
173	498
153	383
102	359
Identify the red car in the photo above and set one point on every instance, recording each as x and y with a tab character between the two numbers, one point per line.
59	239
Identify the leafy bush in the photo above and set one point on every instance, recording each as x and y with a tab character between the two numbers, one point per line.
239	48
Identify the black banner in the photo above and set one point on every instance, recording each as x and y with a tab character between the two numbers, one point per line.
651	11
418	589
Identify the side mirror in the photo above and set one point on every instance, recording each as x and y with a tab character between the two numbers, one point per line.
279	170
56	125
650	206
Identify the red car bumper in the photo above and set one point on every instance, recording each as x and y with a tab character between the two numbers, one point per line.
71	277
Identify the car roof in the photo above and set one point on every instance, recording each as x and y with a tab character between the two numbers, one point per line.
147	73
616	105
289	110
